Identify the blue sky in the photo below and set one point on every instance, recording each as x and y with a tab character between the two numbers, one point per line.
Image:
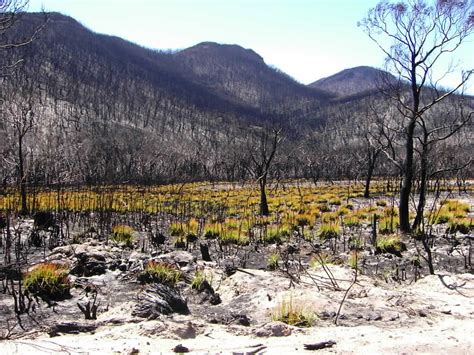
307	39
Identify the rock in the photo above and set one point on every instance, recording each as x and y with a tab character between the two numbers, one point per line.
180	257
71	328
89	264
327	314
222	316
274	329
180	349
320	345
188	332
159	299
422	313
394	317
373	317
135	256
242	319
215	299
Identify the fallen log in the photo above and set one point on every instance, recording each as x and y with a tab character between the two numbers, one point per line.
320	345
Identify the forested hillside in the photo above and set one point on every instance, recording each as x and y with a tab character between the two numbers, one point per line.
91	108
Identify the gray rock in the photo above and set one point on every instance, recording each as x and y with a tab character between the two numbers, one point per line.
180	257
274	329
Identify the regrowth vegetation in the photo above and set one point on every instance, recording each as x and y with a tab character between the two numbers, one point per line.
48	280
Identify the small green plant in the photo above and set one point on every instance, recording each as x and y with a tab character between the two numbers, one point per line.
461	225
390	211
352	221
455	205
335	201
273	261
211	231
180	242
329	217
294	314
329	231
450	210
356	243
303	220
442	216
233	237
176	229
392	244
342	211
123	234
349	206
353	260
199	279
387	225
48	279
381	203
160	272
276	234
324	208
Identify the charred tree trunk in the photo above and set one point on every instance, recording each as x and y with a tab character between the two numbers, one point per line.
405	190
264	211
21	176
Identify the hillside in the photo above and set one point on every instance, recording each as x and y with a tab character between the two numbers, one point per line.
107	110
97	89
242	75
353	81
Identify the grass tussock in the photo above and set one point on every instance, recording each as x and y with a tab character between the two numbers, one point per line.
461	225
273	261
49	280
293	313
199	279
392	244
160	272
329	231
123	234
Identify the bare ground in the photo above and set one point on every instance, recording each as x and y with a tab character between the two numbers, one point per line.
433	315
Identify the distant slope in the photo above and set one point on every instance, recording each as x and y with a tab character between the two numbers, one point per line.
117	110
352	81
242	75
110	110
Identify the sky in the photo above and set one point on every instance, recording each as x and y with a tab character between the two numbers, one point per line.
307	39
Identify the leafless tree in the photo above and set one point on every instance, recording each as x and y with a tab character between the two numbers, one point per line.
10	12
416	37
260	156
19	118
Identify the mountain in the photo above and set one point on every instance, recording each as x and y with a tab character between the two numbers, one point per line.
242	75
353	81
116	110
103	109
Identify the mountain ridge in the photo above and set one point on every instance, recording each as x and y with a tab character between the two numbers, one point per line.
114	111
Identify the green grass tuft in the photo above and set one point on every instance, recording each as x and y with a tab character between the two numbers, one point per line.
48	279
294	314
160	272
123	234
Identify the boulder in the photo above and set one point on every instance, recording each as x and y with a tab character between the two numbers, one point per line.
89	264
274	329
180	257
